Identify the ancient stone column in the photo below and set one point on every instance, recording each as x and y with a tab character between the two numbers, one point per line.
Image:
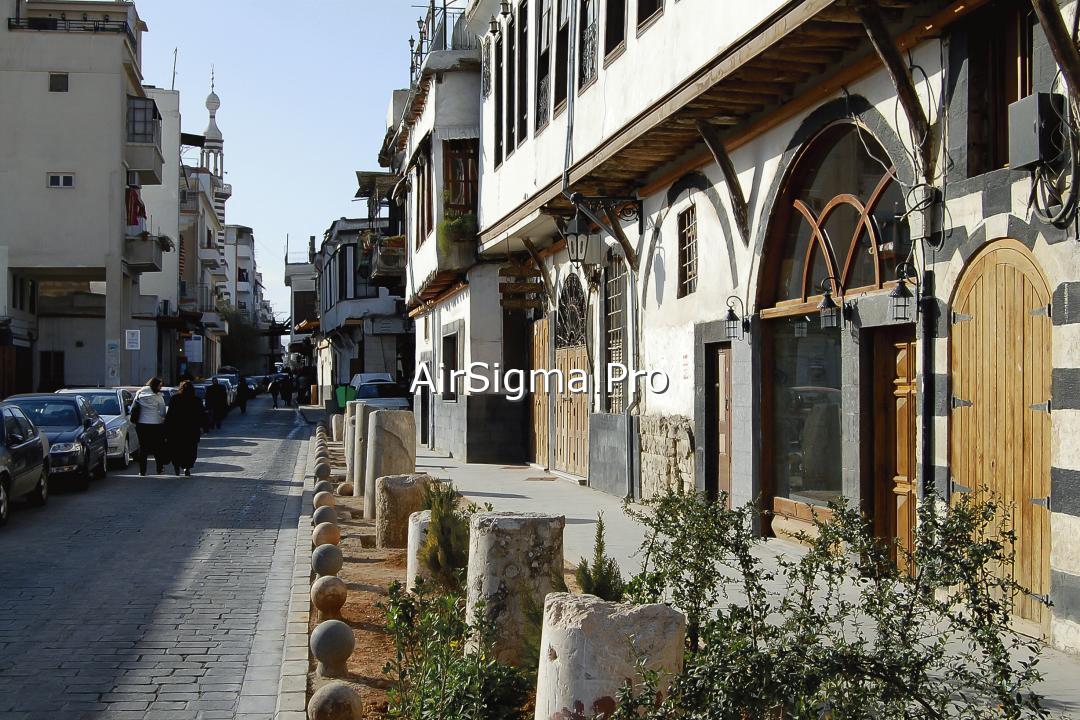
396	498
337	426
350	435
514	559
419	522
589	648
391	450
359	467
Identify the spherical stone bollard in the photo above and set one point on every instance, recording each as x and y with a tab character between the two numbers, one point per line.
328	595
327	560
326	533
323	486
337	427
345	489
390	450
325	514
512	556
396	498
589	648
335	701
323	499
332	643
419	522
323	469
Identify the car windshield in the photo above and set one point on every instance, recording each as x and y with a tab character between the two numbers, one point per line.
367	391
49	412
104	404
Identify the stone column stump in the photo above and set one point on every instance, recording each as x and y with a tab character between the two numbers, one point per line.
359	465
396	498
589	648
350	435
337	426
391	450
512	556
419	522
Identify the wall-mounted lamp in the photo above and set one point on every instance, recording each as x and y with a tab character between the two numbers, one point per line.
734	325
901	300
579	238
505	8
827	308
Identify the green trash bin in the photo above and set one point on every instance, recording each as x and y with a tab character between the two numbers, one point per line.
343	394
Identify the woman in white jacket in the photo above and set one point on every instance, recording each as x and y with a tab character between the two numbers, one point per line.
148	412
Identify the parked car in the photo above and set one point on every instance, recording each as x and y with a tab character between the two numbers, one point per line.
384	394
361	378
24	464
114	407
78	441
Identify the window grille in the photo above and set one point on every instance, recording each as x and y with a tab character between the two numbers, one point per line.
688	253
615	329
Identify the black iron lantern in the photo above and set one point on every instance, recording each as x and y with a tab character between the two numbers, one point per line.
735	326
827	308
901	299
493	26
577	234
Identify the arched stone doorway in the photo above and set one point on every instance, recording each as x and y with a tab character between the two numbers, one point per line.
1000	365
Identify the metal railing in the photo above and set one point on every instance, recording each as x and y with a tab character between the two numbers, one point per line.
65	25
441	28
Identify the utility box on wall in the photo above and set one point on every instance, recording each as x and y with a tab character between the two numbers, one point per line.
1035	125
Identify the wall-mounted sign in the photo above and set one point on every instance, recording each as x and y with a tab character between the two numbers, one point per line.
133	339
193	349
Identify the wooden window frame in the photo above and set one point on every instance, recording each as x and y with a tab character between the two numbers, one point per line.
511	86
468	151
612	52
545	39
561	85
500	93
523	72
614	331
588	10
688	251
644	23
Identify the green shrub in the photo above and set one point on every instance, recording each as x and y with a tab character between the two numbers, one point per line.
603	578
443	666
445	553
457	228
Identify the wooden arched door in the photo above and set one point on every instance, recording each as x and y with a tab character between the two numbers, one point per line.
571	355
999	428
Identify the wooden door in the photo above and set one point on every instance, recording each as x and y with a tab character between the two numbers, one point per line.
894	491
718	419
999	422
572	415
538	427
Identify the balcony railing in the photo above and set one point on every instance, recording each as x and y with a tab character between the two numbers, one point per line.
443	27
65	25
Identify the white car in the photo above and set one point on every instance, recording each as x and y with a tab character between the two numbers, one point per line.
114	407
384	394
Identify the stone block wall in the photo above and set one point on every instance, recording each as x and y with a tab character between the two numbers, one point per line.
667	453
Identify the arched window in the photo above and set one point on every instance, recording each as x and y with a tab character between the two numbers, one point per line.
570	324
841	215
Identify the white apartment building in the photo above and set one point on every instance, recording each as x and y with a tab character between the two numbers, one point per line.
79	139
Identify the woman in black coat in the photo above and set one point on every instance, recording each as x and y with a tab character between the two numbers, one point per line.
183	428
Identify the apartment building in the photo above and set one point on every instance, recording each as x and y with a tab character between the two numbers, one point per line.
828	229
79	140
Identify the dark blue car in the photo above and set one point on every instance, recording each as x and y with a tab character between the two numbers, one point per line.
24	467
78	439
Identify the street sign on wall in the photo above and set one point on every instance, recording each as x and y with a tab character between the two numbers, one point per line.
133	339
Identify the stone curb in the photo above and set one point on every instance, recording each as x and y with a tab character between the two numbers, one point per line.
292	687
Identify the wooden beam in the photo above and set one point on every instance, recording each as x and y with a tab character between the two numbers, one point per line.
900	74
1061	44
731	178
624	242
549	289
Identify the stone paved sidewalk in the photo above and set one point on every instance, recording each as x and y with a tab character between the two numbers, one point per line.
523	488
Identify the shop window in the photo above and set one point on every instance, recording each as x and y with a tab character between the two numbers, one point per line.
999	66
615	329
688	251
614	26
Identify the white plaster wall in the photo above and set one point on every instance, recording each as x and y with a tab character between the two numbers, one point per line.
82	365
163	201
81	131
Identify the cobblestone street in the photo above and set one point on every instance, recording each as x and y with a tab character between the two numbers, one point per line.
157	597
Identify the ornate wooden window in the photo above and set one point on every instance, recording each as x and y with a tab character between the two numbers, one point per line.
588	42
688	251
543	63
511	84
840	215
523	73
460	175
570	324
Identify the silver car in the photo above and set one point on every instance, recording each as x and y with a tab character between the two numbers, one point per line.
384	394
114	407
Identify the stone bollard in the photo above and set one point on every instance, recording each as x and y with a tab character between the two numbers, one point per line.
350	436
345	489
328	595
512	556
332	643
323	469
335	701
396	498
324	514
326	533
337	427
323	486
589	648
391	450
419	522
364	412
323	499
327	560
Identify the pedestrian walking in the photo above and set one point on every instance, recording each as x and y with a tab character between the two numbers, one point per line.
242	395
148	413
183	428
275	388
287	390
217	402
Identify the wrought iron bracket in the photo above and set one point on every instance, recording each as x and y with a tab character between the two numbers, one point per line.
609	212
712	140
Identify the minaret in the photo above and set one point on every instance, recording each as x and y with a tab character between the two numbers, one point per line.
213	157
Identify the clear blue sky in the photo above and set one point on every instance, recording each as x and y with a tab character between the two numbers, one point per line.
304	89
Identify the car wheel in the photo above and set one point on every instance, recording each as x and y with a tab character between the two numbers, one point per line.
128	455
5	502
40	494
